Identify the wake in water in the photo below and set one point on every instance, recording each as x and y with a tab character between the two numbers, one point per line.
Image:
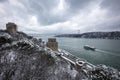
96	50
107	52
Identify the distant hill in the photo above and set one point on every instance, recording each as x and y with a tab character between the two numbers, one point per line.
100	35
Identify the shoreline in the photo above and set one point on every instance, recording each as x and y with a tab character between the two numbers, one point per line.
89	38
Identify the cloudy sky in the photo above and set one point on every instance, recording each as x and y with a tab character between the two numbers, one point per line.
61	16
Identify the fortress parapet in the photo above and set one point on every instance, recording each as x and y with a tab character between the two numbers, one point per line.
52	44
11	27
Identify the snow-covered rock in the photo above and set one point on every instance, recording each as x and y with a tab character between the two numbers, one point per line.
24	58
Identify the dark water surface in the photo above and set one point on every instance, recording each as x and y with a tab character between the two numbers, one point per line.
107	52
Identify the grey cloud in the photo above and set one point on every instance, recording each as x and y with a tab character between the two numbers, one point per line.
113	12
113	7
108	26
113	27
42	9
3	0
39	6
76	5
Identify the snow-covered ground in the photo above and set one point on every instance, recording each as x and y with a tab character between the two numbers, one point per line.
25	58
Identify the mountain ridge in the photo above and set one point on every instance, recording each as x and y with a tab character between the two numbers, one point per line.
100	35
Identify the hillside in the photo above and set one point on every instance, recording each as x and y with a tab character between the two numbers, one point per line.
23	57
100	35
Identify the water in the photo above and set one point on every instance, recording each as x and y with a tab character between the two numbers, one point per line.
107	52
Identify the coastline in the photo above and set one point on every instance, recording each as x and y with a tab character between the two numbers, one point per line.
18	48
94	35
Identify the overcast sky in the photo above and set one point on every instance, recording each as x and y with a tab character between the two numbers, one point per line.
61	16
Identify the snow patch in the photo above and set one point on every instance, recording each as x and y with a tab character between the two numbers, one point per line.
11	56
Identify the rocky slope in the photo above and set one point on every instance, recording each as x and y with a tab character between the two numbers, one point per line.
25	58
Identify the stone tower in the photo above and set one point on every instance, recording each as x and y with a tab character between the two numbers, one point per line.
52	44
11	27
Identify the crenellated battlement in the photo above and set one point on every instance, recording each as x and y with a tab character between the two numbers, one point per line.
52	44
11	27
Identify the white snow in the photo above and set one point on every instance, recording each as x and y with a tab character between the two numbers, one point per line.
68	60
34	58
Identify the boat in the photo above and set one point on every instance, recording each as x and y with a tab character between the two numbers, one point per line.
87	47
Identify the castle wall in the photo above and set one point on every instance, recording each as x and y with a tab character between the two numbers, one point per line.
52	44
11	27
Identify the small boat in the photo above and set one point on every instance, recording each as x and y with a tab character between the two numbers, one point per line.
87	47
